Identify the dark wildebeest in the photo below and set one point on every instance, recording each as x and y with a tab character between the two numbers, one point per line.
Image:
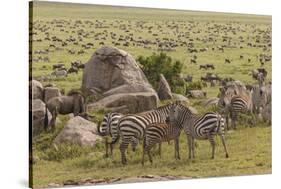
206	66
72	69
74	103
193	61
227	61
57	66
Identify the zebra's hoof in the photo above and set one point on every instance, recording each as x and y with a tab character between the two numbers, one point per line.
226	156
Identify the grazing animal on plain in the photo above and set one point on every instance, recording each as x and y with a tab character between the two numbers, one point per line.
72	69
192	61
234	103
74	103
227	61
59	73
132	127
160	132
109	128
200	127
56	66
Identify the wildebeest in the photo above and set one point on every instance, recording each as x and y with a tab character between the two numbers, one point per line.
192	61
72	69
206	66
227	61
56	66
59	73
74	103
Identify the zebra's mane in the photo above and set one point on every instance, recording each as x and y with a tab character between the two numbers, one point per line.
167	106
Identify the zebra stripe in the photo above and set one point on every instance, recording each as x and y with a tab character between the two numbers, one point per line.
240	104
160	132
132	127
198	126
109	127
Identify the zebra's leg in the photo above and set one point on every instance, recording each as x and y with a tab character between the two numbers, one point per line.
193	147
106	147
134	144
212	142
227	121
111	150
159	149
233	120
189	146
149	155
254	118
143	151
223	142
123	146
177	153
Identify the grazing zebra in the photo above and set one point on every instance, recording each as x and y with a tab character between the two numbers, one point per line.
198	126
160	132
235	103
108	127
131	127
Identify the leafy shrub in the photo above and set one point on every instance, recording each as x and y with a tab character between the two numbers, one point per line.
197	85
157	64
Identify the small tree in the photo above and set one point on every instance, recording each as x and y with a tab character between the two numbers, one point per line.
157	64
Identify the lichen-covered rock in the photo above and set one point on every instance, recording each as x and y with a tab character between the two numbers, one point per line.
114	78
78	131
111	70
197	94
127	102
164	90
180	97
38	112
36	89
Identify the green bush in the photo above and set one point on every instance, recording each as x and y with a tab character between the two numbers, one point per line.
157	64
197	85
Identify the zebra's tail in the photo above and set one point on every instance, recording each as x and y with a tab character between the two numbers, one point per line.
115	139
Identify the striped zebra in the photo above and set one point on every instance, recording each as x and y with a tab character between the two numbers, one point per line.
198	126
235	103
131	127
108	127
160	132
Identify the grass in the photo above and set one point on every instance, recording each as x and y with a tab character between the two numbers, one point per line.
249	148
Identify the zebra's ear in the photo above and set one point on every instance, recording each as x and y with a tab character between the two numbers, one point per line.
235	92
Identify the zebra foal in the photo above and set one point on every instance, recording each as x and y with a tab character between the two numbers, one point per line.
200	127
158	133
132	127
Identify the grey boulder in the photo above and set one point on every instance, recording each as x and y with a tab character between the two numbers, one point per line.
78	131
37	89
38	116
127	102
164	90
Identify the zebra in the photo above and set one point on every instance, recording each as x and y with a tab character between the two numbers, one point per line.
109	127
131	127
198	126
160	132
234	103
